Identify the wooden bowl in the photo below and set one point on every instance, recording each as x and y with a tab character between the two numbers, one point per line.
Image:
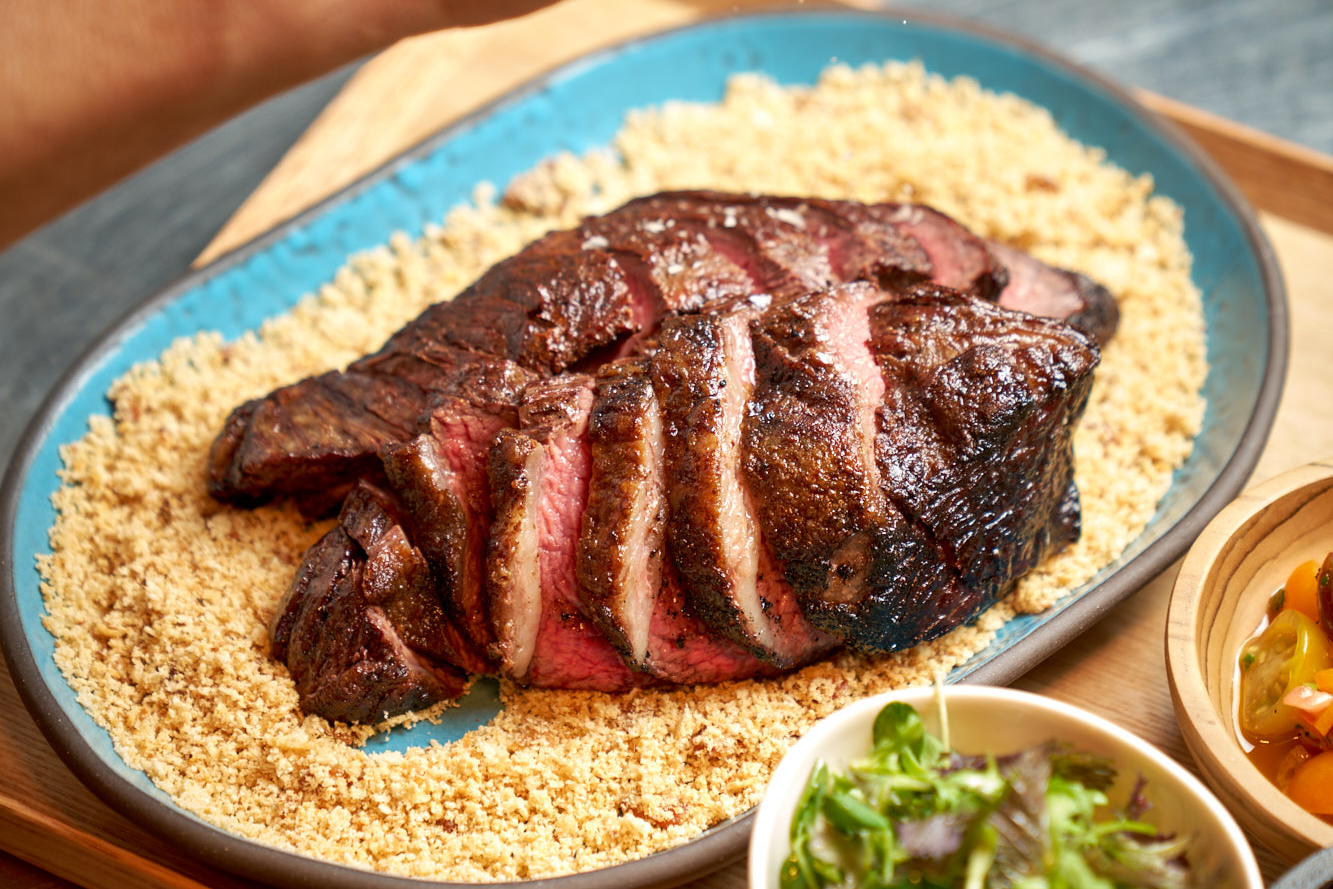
1218	602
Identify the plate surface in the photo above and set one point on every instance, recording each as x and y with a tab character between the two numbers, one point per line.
577	107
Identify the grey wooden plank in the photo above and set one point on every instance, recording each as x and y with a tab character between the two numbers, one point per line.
1268	65
66	283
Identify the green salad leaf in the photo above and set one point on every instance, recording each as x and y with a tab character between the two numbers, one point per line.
915	815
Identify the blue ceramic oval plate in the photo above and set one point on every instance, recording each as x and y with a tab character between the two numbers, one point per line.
575	108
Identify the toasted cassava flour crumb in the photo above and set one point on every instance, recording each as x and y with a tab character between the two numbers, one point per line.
159	597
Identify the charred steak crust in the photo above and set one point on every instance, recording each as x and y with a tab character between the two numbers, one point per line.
975	441
347	660
864	573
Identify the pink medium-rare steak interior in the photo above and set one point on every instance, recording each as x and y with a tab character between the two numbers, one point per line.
1039	289
958	258
513	563
540	499
441	479
629	582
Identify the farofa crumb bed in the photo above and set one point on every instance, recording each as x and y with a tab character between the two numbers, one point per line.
159	597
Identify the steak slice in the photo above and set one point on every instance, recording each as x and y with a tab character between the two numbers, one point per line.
398	579
958	258
347	659
544	310
703	373
974	439
440	478
628	584
310	437
810	461
809	436
1040	289
539	482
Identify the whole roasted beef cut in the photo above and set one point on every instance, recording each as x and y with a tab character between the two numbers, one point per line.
704	437
572	295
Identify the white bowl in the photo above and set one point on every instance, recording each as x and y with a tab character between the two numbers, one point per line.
983	719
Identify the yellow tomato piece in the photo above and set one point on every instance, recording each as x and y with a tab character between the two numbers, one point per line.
1311	784
1288	653
1323	680
1302	590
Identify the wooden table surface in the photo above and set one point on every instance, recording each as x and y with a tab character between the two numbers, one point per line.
1116	668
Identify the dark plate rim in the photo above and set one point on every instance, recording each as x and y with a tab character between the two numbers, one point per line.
726	842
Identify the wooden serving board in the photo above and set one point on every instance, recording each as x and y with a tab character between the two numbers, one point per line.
50	820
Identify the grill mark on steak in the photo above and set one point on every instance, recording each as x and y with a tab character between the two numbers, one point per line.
975	432
703	373
539	476
1040	289
440	477
628	583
